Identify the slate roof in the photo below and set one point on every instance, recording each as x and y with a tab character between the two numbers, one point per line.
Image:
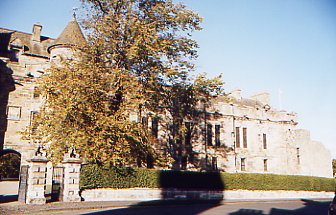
21	39
240	102
71	35
248	102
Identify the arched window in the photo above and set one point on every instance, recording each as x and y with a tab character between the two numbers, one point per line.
10	165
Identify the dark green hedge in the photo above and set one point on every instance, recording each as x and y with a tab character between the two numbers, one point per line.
93	176
253	181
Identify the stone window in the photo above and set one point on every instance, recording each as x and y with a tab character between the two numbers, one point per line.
243	164
298	155
217	135
264	141
209	134
155	126
265	165
245	137
33	125
144	121
237	137
13	113
36	93
214	163
188	134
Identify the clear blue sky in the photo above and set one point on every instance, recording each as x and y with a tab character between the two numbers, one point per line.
258	45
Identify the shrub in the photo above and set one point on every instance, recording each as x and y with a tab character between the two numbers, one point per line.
93	176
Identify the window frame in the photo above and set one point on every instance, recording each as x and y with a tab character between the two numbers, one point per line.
16	115
243	164
237	137
155	126
245	137
265	165
264	141
217	135
209	134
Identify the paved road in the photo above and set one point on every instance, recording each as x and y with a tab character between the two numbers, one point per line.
228	207
275	207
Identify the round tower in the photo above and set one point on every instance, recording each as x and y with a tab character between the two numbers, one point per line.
66	45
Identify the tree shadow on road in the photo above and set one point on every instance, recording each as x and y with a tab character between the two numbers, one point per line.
311	208
164	207
186	207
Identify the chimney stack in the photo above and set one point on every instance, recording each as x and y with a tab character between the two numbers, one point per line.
262	97
36	36
236	93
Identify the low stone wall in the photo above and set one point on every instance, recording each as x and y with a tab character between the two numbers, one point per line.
275	194
9	188
144	194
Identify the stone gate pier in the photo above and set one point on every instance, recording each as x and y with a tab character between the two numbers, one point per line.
33	185
72	165
34	191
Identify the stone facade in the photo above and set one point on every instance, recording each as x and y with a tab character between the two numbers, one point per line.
24	58
248	135
243	135
262	139
25	55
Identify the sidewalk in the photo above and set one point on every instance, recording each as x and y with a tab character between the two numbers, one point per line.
60	207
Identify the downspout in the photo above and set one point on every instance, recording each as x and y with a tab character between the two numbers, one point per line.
234	137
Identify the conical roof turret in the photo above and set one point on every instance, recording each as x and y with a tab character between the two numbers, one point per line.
72	35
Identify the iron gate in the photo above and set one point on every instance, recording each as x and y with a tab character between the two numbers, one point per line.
57	183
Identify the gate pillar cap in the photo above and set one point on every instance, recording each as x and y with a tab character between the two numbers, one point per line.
38	160
72	160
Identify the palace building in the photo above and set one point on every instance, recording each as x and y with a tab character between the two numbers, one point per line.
241	135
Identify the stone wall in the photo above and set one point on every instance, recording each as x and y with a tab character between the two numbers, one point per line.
9	188
144	194
23	103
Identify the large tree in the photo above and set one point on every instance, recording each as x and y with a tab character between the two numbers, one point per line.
181	109
139	57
